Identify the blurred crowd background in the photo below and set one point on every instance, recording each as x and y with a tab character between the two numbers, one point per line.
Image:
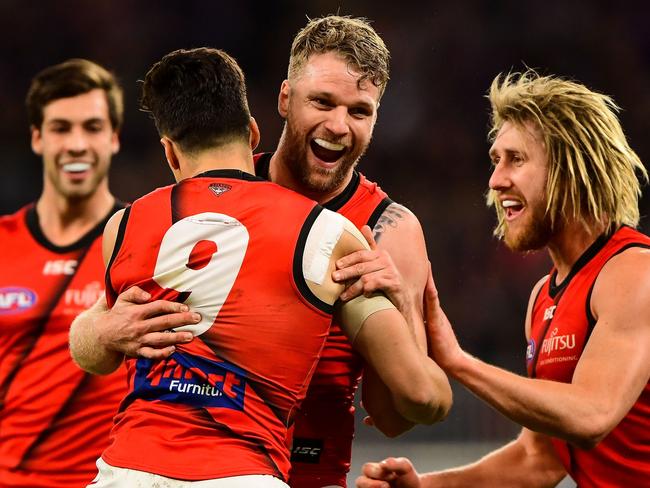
429	149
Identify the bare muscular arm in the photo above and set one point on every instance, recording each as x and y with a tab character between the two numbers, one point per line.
527	462
587	409
397	264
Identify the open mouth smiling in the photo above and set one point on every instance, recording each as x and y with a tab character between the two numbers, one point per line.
326	151
76	167
512	207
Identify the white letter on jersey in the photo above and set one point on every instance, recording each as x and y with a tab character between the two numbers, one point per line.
210	281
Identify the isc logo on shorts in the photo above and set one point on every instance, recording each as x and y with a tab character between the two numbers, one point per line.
191	380
16	299
306	450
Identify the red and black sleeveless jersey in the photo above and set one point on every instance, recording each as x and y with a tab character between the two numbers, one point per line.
324	427
230	245
560	328
54	418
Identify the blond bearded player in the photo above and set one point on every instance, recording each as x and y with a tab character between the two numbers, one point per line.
565	179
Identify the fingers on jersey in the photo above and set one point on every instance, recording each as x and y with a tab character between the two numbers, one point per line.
135	294
372	269
330	237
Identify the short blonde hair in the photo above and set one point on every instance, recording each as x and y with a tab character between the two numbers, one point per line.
351	38
593	174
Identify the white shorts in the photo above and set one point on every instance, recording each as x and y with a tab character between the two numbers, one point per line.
113	477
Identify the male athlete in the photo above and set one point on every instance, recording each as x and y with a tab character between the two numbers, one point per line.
54	418
565	179
338	71
255	260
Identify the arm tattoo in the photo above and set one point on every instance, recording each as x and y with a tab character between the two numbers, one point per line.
391	217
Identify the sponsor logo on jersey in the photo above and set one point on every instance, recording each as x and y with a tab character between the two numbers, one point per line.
84	297
530	350
60	267
190	380
306	450
548	313
558	342
219	188
16	300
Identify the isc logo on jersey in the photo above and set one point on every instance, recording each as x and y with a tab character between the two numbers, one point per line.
306	450
16	299
60	267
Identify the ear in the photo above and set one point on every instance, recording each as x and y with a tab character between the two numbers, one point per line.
283	99
115	143
254	138
170	153
37	140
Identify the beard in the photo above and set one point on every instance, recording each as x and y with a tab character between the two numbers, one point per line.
315	179
534	234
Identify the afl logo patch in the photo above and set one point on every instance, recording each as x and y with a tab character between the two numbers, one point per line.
530	350
219	188
16	300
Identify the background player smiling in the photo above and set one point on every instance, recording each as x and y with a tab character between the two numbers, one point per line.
54	418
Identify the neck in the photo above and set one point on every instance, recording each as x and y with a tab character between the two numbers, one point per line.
65	220
230	156
280	174
567	245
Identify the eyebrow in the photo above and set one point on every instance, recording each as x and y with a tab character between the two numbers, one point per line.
493	152
330	97
91	120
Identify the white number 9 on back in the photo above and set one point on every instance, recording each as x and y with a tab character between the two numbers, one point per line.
202	254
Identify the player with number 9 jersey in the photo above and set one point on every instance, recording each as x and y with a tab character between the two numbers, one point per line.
236	249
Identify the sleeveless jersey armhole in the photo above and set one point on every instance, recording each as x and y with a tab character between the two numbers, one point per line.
379	210
318	236
119	239
591	320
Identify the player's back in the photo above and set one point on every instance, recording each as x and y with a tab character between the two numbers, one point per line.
231	246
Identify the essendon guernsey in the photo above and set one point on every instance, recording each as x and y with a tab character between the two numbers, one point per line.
230	245
54	418
561	325
324	427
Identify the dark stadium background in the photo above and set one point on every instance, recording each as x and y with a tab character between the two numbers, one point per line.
429	149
